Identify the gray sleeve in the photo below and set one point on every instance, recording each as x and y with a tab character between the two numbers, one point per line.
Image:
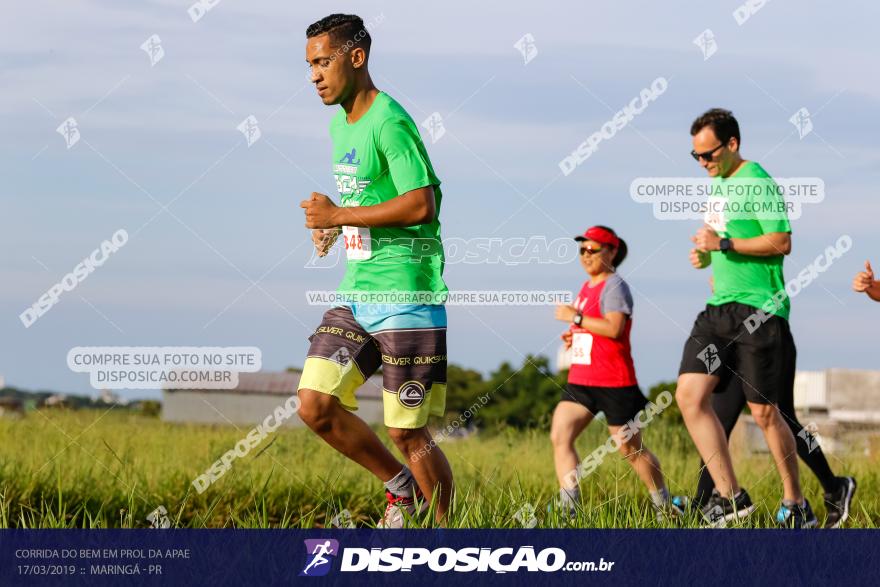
616	297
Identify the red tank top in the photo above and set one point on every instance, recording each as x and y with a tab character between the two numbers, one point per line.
600	361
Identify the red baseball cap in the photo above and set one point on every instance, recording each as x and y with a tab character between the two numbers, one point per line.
600	235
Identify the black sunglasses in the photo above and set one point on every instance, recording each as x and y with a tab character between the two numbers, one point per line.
588	250
708	155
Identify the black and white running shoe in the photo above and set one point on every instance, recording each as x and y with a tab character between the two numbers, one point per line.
720	510
837	503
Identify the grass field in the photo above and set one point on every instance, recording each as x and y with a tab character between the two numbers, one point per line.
83	470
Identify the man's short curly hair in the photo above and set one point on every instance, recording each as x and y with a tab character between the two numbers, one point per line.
722	123
345	30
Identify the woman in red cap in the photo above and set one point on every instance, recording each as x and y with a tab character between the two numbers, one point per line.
602	377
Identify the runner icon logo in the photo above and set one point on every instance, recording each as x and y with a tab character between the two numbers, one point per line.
158	518
153	48
709	356
434	124
341	356
319	552
411	394
810	435
802	122
69	129
250	128
707	44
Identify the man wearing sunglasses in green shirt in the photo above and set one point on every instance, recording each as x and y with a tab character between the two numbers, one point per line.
745	238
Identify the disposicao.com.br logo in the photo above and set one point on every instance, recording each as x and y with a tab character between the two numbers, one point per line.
442	559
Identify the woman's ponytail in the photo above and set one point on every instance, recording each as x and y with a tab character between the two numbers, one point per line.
621	253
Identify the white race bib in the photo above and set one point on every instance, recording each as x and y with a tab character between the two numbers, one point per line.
357	242
581	347
715	216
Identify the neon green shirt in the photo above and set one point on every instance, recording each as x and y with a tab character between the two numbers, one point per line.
748	204
375	159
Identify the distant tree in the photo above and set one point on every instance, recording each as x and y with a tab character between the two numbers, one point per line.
151	408
524	397
671	412
463	388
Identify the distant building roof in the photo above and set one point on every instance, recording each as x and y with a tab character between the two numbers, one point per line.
845	394
281	383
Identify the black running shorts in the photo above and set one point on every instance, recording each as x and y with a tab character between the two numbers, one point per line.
738	341
620	404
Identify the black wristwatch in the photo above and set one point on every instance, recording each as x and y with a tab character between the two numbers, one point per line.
725	245
577	319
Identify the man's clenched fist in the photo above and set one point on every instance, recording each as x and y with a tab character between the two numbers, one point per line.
320	211
707	239
323	239
700	259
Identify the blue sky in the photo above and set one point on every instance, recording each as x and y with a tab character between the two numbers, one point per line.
224	264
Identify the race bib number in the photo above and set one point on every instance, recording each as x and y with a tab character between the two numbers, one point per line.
715	215
357	242
581	347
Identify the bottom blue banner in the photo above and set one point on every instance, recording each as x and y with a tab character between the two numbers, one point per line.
338	557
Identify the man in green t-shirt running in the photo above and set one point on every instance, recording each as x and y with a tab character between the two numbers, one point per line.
391	313
743	333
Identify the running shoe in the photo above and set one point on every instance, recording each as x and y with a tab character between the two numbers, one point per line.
795	516
720	510
837	502
399	508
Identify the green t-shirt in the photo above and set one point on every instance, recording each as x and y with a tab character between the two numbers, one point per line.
375	159
746	205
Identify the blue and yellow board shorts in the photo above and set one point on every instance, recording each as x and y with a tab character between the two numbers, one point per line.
407	340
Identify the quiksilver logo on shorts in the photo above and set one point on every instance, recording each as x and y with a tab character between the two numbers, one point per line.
411	394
